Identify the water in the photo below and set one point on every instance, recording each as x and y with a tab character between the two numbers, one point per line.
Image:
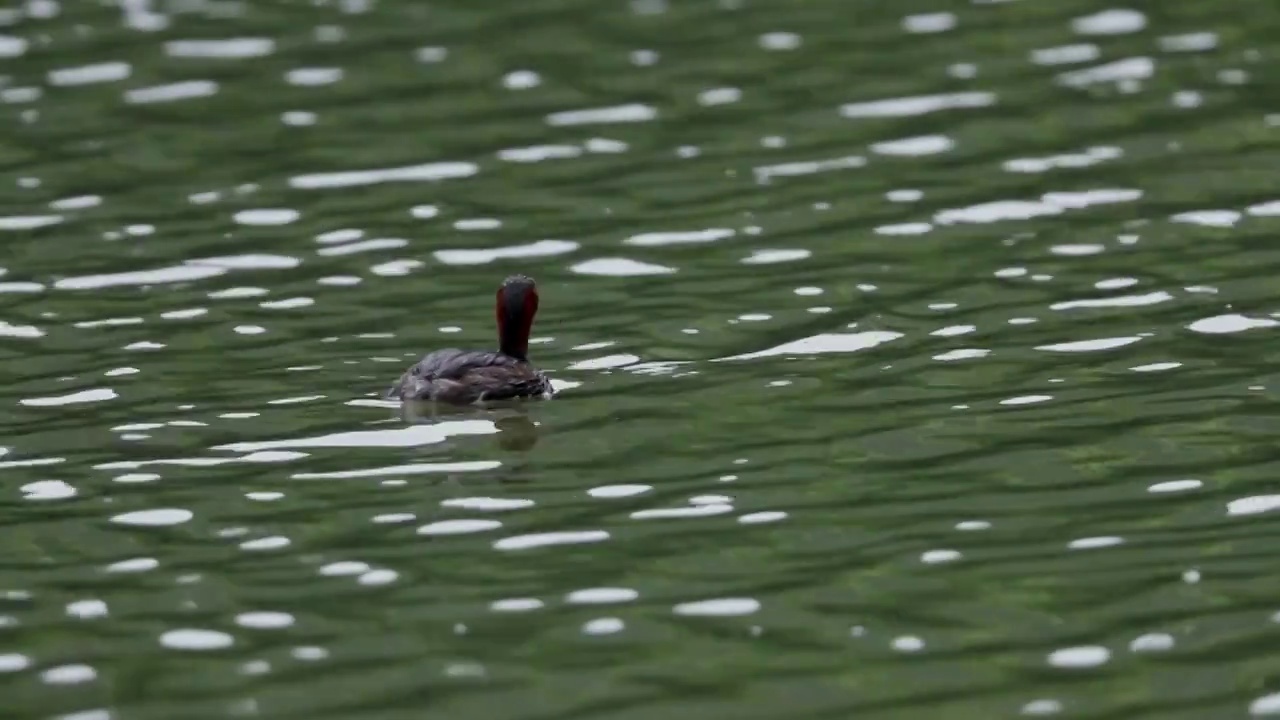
916	359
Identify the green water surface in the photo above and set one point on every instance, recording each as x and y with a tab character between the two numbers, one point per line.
918	359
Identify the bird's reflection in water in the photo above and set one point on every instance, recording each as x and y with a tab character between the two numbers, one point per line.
516	432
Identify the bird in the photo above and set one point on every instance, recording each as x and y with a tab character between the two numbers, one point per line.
463	377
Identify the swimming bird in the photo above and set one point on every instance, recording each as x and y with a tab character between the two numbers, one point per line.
467	376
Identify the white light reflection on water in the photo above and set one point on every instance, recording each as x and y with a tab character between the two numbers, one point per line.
618	491
14	662
824	343
634	112
760	518
31	462
1085	158
478	256
1152	642
911	228
154	518
601	596
462	526
89	74
271	542
516	605
1043	706
914	146
521	80
1089	198
87	609
1026	400
266	216
1125	70
548	539
1266	209
925	23
41	490
265	620
185	90
488	504
603	626
314	76
1189	42
427	172
679	237
918	105
256	457
1254	505
229	48
779	40
178	273
1152	298
908	643
718	607
1066	54
399	470
1209	218
605	362
1085	656
83	396
692	511
560	385
1265	705
996	211
962	354
371	245
619	267
940	556
1115	283
28	222
342	568
410	436
1170	486
770	256
236	293
69	674
12	46
1230	323
765	173
539	153
1119	21
1090	345
1093	543
1156	367
196	639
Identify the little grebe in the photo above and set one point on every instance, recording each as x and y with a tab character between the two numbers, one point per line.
467	376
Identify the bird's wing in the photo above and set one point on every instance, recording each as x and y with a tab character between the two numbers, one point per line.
503	382
452	364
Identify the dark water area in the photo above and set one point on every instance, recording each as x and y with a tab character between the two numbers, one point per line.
916	359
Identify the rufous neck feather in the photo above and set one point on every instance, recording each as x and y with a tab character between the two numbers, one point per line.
515	311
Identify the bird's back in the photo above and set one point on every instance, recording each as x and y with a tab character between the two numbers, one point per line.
465	376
